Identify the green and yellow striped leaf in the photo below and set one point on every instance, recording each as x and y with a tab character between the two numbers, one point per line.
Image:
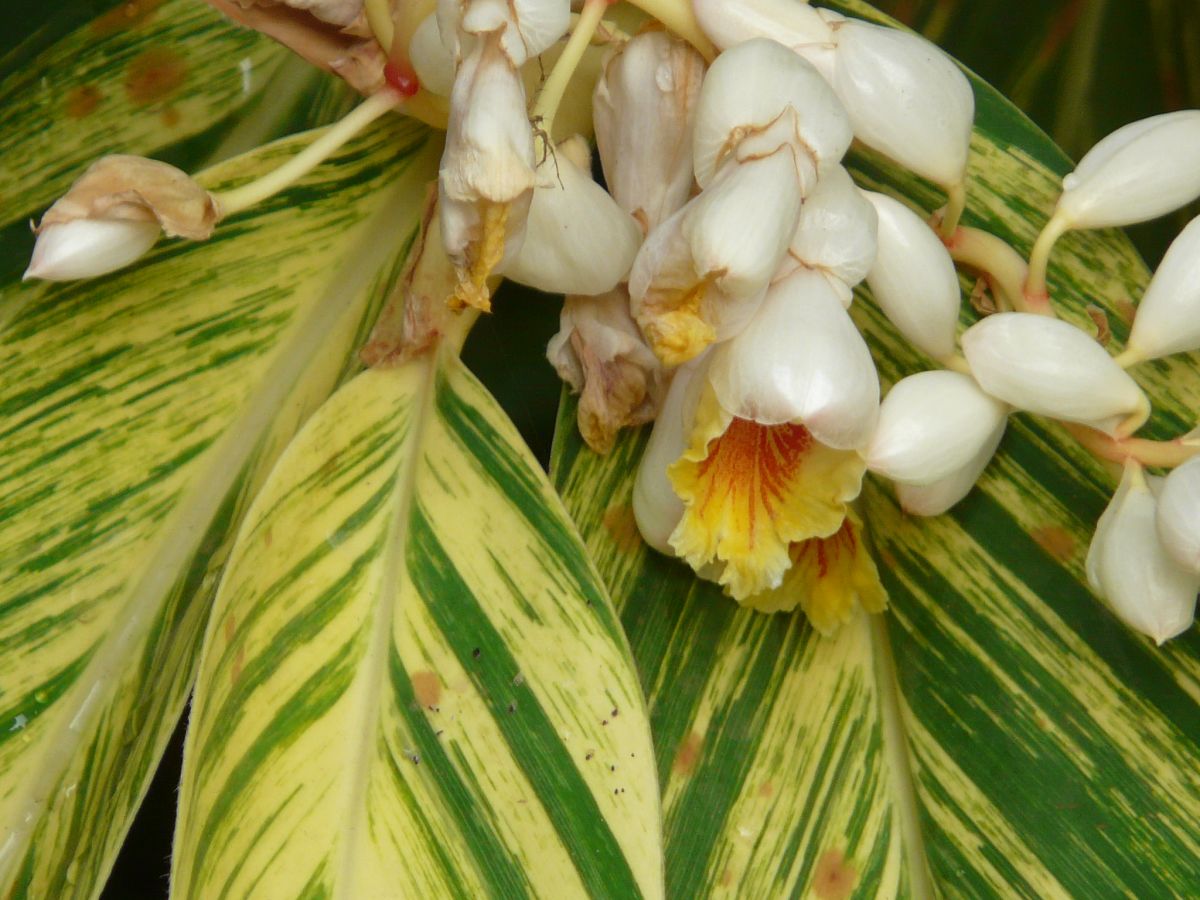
997	733
138	414
413	683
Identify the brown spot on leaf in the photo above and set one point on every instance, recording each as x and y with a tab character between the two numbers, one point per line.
834	878
1126	310
726	878
1056	541
239	662
1100	319
170	117
82	101
134	12
766	790
154	75
230	628
427	688
688	753
622	527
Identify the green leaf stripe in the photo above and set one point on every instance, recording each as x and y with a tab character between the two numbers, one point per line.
141	412
998	733
454	712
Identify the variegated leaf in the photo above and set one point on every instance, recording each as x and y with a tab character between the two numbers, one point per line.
137	415
413	684
998	733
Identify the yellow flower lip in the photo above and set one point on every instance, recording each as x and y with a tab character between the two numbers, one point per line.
750	491
830	579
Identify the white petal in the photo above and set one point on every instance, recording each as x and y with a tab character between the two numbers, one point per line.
1179	515
526	27
905	98
431	60
838	229
656	507
913	278
1168	318
665	263
755	84
85	248
1048	366
801	359
786	21
644	106
577	240
1138	172
1128	566
932	425
740	227
935	498
489	142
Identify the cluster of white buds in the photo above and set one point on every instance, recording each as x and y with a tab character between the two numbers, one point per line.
708	287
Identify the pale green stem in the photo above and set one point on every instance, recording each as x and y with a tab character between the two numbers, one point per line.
1003	267
240	198
1035	285
555	87
1135	420
379	19
1161	454
955	204
678	16
1128	357
956	362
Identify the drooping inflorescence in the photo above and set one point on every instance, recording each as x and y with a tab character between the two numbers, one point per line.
708	281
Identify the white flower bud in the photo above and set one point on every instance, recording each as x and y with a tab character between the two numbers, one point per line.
486	177
657	509
1128	566
525	28
1140	171
1048	366
1168	318
905	98
801	359
577	240
700	274
931	426
86	248
433	63
760	95
644	106
936	497
913	278
740	227
114	213
1179	515
837	231
786	21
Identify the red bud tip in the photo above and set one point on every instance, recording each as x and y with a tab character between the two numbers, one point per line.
403	81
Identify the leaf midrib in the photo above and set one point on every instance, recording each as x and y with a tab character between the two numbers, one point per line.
374	673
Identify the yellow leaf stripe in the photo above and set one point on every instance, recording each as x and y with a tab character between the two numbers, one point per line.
138	413
1022	744
413	684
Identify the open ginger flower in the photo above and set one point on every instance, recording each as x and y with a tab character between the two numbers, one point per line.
768	429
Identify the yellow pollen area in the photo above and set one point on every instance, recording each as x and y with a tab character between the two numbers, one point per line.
830	579
482	257
750	491
674	326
